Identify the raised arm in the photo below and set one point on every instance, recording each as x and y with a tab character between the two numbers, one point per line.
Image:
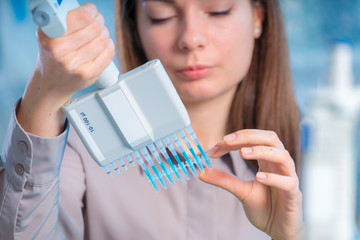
34	146
65	65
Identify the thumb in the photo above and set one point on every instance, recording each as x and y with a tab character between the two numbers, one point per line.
227	182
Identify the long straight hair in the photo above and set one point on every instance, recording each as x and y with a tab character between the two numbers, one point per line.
264	98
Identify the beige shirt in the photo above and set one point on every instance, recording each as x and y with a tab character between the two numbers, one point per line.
44	198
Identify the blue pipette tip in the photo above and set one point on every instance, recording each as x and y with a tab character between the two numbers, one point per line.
191	166
122	164
108	172
151	180
182	167
115	167
167	173
207	161
129	159
198	163
174	169
159	177
202	159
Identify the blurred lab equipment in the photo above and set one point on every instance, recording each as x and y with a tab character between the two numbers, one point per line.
329	163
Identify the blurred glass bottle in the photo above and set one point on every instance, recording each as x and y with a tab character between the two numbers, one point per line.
329	161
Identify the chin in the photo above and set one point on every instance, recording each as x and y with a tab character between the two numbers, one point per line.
197	96
200	90
209	93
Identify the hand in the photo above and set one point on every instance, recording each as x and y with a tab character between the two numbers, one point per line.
65	65
75	60
273	201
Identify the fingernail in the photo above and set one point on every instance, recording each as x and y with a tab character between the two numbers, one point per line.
261	176
230	137
212	150
100	19
246	150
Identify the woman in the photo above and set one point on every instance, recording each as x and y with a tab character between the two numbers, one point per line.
228	62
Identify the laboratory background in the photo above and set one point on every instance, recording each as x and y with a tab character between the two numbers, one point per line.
324	44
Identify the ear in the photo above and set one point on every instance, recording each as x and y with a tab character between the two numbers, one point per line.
258	13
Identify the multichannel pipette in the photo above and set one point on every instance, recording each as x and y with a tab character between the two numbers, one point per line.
137	115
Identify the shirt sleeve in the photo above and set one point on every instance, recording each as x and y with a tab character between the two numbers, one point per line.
29	184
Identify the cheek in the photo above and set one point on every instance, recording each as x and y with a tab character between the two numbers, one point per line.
156	44
235	50
149	38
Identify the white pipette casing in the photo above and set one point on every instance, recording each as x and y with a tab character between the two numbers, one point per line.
141	108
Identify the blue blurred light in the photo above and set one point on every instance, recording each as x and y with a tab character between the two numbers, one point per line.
20	9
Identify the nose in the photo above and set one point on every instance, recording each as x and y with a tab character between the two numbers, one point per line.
192	34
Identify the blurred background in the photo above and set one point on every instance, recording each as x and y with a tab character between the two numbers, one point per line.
324	43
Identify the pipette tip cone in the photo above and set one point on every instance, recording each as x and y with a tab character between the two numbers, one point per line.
115	167
198	163
167	173
191	166
122	164
108	172
206	158
159	177
182	167
174	170
151	179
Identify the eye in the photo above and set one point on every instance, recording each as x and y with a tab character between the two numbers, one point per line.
158	20
221	13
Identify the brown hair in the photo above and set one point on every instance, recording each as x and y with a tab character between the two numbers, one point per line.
264	99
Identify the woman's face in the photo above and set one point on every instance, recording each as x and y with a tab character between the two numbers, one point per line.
205	46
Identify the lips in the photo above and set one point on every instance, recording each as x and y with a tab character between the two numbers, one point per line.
195	72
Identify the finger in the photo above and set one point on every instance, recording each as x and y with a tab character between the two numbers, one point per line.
60	47
93	69
227	182
285	183
80	17
243	138
86	34
89	51
280	158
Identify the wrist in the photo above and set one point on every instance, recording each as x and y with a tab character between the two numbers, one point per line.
40	111
299	235
39	120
